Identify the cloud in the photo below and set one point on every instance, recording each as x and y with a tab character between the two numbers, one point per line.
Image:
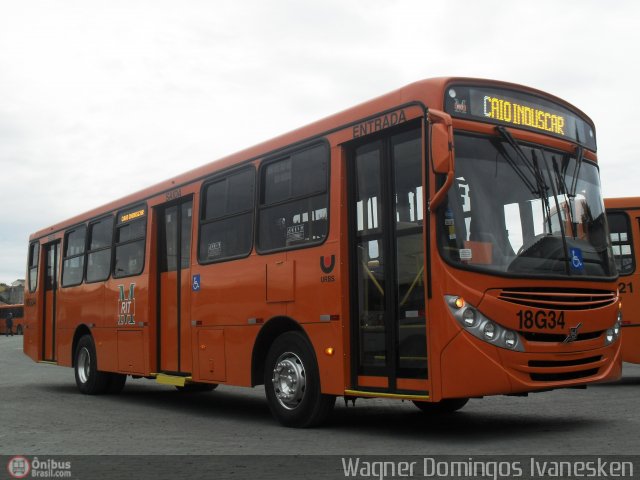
104	98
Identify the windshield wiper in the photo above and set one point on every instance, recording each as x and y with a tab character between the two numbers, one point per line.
568	197
576	171
541	187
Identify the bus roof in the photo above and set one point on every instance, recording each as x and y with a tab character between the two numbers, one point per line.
428	92
622	202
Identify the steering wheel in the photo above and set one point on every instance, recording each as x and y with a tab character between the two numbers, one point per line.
530	244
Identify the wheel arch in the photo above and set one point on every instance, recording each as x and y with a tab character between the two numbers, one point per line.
80	332
271	330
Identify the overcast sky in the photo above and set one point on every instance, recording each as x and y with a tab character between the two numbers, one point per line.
100	99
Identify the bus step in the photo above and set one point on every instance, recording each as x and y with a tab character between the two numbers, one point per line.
47	362
174	380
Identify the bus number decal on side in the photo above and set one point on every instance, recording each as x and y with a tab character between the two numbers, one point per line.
173	194
625	287
540	319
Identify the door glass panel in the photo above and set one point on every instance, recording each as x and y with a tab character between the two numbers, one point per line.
387	208
185	240
170	240
410	298
370	252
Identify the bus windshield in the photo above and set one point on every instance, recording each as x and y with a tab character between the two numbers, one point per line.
524	210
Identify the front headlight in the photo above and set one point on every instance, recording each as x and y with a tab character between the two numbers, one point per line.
481	327
612	334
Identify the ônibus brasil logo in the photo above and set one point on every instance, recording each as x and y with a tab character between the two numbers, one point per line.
18	467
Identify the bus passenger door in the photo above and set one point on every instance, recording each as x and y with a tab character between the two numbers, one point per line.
52	259
174	287
389	334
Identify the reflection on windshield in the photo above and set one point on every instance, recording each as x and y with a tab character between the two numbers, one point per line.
524	210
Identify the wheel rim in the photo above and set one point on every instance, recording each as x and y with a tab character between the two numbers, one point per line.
289	380
84	364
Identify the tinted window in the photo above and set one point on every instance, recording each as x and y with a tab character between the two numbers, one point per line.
226	229
73	264
99	256
130	242
294	201
621	242
34	255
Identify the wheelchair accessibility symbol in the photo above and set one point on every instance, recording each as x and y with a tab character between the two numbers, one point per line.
195	286
576	259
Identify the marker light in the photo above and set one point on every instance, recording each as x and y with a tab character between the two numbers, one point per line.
459	302
328	351
475	323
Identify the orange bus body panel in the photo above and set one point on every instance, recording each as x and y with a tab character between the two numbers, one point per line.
629	285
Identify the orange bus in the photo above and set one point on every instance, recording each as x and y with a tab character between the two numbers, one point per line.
403	248
623	215
18	318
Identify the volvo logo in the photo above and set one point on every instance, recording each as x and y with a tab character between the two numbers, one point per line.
573	334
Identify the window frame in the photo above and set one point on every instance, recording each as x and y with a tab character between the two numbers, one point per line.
202	205
115	244
630	238
288	154
82	255
31	266
90	225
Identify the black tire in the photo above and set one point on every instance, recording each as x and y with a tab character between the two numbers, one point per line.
19	330
303	404
116	383
442	407
197	387
89	379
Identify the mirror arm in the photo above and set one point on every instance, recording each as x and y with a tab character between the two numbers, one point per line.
440	194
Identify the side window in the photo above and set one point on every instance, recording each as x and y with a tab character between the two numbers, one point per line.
99	254
34	257
73	265
294	200
226	222
130	242
621	242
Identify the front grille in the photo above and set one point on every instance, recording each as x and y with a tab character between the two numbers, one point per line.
559	299
558	377
558	337
564	363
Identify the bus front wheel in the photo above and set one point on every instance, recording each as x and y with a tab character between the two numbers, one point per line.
89	379
292	383
448	405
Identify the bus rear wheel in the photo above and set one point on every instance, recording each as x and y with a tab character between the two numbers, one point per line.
448	405
89	379
292	383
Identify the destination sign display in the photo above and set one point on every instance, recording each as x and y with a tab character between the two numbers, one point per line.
131	215
518	110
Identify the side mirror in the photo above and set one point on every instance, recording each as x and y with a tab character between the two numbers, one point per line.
442	152
441	147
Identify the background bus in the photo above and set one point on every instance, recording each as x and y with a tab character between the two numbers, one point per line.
624	222
359	256
18	318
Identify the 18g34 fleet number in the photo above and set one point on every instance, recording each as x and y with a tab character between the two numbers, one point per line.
540	319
